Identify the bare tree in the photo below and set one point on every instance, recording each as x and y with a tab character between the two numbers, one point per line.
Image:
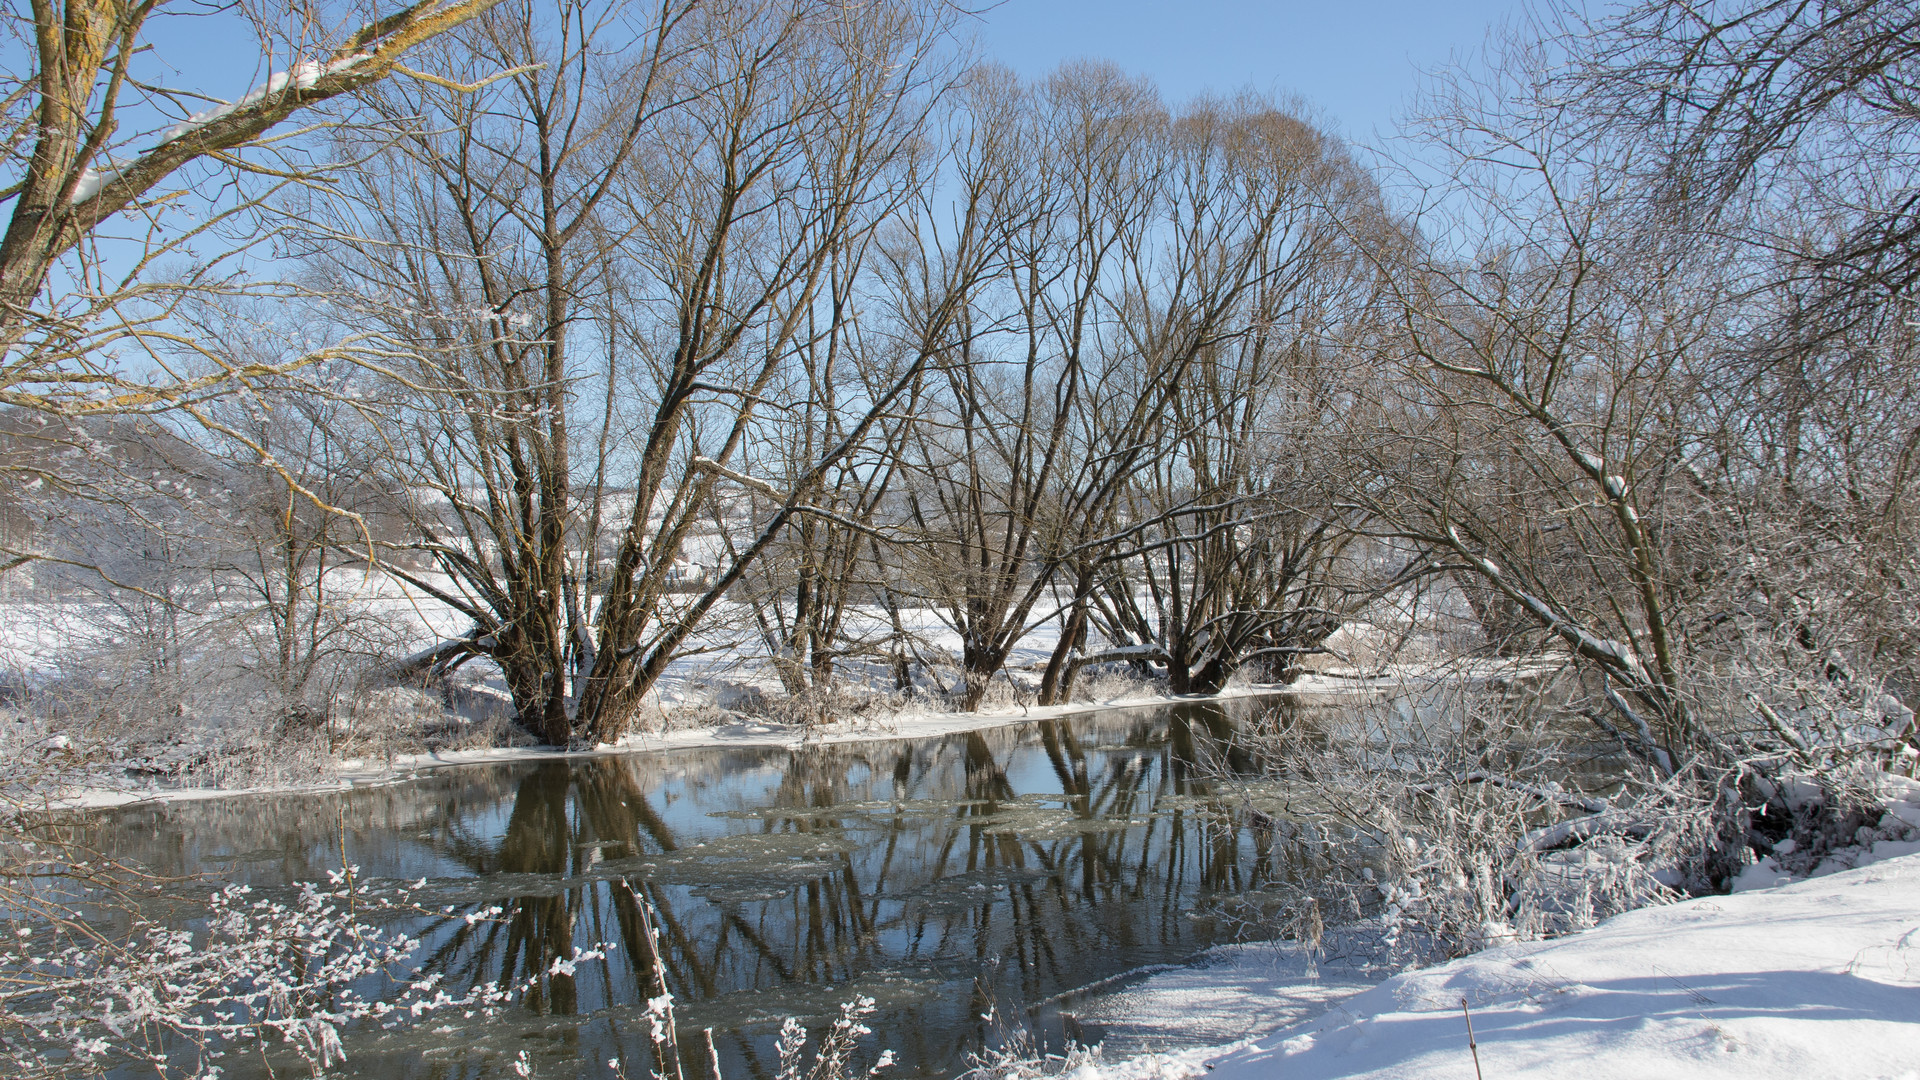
1237	525
694	189
1578	431
842	548
1545	423
1765	114
293	548
1786	130
1002	471
1148	244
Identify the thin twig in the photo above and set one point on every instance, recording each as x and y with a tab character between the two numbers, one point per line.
1472	1046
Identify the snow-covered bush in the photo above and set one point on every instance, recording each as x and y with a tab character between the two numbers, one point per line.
833	1060
293	970
1450	821
382	721
1017	1058
1113	682
1446	820
816	706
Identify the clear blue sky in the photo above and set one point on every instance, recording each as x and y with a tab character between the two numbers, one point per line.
1354	62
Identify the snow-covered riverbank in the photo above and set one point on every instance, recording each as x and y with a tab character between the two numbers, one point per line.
1819	978
738	732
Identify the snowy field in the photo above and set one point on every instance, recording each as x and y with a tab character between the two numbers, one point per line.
706	699
40	639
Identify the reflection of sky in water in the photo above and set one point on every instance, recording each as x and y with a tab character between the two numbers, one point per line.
946	877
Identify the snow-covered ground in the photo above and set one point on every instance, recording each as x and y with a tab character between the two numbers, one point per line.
1187	1012
1813	979
702	700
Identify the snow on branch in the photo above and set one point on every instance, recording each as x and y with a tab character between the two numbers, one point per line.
1613	655
708	465
364	59
1552	792
302	76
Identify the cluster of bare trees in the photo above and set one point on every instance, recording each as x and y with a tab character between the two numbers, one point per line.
852	330
1657	392
627	330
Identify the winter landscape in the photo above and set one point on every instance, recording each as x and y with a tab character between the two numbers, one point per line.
800	540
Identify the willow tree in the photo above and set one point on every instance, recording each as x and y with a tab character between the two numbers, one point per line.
600	276
1157	255
1237	542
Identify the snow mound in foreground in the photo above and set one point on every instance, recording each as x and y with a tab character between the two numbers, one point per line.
1815	979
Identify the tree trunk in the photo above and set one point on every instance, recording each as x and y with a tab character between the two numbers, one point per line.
1056	685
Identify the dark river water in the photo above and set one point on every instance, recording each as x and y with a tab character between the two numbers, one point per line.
969	883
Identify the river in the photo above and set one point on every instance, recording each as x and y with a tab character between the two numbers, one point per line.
972	884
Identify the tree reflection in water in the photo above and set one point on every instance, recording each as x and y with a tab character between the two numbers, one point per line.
951	878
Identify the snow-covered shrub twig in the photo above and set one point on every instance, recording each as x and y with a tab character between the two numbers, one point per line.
1017	1058
297	971
1452	821
832	1061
